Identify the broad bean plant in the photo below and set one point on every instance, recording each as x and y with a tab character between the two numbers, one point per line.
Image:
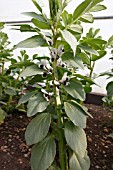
57	93
5	80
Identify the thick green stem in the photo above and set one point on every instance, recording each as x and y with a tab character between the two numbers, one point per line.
61	142
8	103
91	70
59	123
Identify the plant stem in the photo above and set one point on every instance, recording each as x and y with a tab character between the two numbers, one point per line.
8	103
2	68
59	123
61	142
91	70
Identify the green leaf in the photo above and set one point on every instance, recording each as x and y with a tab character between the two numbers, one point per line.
37	128
32	42
70	39
31	71
96	32
70	60
75	89
40	24
94	41
76	114
76	28
66	18
2	116
36	104
75	138
25	28
109	88
102	53
26	97
85	78
88	18
84	58
95	2
111	135
35	15
88	49
37	5
82	9
98	8
1	25
43	154
21	64
110	41
79	163
10	91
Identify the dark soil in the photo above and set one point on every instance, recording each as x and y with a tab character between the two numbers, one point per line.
15	154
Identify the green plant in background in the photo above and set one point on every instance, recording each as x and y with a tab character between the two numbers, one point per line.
13	86
54	101
16	67
5	56
93	48
108	100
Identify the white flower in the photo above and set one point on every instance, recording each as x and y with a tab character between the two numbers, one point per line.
53	53
64	77
49	41
56	83
61	63
60	50
44	91
44	62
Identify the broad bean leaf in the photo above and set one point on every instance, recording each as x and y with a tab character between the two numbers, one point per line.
94	41
35	15
37	128
75	89
70	60
102	53
40	24
85	58
10	91
67	18
76	28
70	39
2	116
111	135
110	41
43	154
36	104
75	138
25	28
95	2
82	9
26	97
21	64
85	78
38	6
109	88
88	49
79	163
32	42
31	71
1	25
76	114
98	8
88	18
85	7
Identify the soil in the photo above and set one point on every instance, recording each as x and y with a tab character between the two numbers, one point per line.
15	154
